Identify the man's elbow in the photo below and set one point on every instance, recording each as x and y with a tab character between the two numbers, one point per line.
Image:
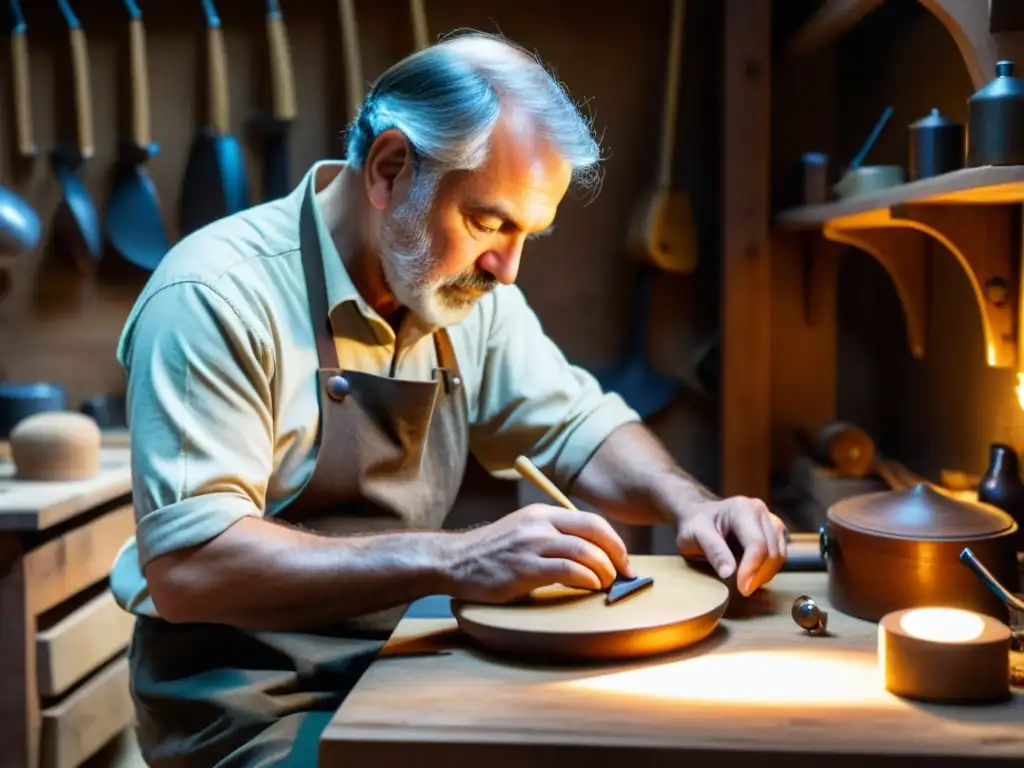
174	588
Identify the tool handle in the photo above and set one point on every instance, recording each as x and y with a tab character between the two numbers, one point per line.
526	468
217	71
22	93
353	60
83	93
420	35
142	132
671	98
281	72
968	558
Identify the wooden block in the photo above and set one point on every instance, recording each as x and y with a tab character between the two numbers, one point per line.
79	643
34	506
76	560
85	721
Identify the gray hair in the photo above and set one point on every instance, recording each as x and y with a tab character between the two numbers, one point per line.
446	99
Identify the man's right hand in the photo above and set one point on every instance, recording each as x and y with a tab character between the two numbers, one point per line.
533	547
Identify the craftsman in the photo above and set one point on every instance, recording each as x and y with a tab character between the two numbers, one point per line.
305	381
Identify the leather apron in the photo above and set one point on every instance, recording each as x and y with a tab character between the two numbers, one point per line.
391	454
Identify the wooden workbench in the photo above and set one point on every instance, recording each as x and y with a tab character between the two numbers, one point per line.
759	691
63	667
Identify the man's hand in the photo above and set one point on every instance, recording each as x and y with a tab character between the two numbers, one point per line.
533	547
704	528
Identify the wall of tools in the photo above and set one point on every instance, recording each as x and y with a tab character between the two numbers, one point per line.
124	106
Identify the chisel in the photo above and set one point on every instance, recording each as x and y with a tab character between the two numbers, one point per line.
623	585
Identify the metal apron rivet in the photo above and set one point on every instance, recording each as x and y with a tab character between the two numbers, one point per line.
338	387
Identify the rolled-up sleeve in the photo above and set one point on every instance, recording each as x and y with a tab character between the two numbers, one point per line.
532	401
200	417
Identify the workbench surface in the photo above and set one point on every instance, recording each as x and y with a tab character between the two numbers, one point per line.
758	689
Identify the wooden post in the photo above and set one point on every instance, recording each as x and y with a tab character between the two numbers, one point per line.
746	273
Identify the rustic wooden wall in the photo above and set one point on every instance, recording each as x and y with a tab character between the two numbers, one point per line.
62	326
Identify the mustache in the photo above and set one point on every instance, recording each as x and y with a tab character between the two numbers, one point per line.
476	281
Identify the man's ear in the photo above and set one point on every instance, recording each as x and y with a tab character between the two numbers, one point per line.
389	168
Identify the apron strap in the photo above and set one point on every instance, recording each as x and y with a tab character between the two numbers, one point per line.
445	351
316	284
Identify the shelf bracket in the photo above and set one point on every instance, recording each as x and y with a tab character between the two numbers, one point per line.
903	253
980	237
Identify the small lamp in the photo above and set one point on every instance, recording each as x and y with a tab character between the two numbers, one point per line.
947	655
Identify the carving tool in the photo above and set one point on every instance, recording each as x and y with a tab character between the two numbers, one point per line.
623	585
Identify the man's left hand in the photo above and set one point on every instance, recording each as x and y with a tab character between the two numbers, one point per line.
704	528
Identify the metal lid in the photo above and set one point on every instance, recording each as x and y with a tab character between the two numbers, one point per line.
920	513
934	119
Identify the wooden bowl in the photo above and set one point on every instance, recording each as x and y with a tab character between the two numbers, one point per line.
560	624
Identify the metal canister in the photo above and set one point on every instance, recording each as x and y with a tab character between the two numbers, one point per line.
995	125
936	146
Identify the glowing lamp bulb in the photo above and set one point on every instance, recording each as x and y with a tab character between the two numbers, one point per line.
943	625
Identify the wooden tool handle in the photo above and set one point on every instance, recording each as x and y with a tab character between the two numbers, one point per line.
141	129
22	94
218	84
671	98
83	93
420	35
281	72
353	60
526	468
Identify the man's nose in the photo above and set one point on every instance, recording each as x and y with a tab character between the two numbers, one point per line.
503	263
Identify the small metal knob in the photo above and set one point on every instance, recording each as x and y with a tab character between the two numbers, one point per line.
809	616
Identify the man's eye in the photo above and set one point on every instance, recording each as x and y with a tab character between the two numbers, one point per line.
481	228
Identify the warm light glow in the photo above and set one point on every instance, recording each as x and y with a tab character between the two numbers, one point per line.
943	625
765	678
1020	390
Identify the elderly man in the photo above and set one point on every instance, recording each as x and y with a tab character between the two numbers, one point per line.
305	380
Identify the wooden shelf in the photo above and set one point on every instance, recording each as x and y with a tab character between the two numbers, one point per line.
970	211
986	184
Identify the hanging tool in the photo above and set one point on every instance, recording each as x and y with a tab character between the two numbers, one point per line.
354	86
418	13
623	585
19	223
215	183
20	82
276	127
78	226
662	234
134	223
661	237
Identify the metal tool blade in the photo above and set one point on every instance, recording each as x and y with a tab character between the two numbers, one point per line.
623	586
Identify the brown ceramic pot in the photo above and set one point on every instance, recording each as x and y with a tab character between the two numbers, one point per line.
899	549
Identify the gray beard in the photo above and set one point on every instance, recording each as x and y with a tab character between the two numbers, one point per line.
408	260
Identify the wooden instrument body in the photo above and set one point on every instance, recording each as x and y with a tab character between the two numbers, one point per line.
559	624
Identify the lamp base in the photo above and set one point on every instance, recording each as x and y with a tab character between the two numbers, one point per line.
944	655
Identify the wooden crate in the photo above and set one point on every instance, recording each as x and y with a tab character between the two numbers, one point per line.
63	669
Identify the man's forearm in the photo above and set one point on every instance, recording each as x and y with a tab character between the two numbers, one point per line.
634	479
262	575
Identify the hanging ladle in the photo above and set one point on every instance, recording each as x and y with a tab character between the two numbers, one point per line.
1012	601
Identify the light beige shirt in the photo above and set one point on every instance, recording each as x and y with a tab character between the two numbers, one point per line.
220	358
